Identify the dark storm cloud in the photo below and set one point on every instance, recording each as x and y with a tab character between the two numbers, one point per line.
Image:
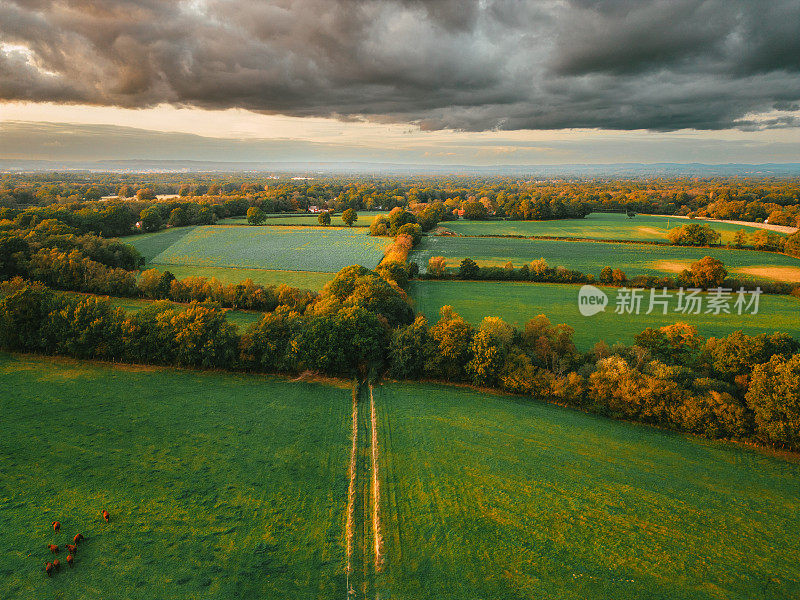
494	64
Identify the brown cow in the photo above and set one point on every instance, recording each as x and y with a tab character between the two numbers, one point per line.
78	538
105	515
48	568
69	560
57	564
71	548
56	526
53	548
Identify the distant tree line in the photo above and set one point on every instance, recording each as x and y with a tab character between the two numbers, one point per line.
752	199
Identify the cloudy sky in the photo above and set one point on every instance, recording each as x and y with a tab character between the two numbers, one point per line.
442	81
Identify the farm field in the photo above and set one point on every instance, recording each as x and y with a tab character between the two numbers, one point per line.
591	257
275	249
218	485
487	496
306	280
151	245
601	226
364	219
517	302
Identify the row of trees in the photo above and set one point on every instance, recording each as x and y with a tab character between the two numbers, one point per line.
708	272
697	234
116	219
741	387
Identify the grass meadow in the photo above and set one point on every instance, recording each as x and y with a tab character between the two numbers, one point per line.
496	497
364	219
218	485
600	226
591	257
517	302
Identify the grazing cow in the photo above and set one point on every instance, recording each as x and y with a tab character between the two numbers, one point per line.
53	548
57	564
78	538
56	526
105	515
69	560
71	548
48	568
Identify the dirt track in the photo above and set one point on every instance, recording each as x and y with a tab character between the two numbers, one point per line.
770	227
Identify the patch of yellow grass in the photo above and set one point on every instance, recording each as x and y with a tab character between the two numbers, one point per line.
651	231
67	375
311	377
672	266
786	274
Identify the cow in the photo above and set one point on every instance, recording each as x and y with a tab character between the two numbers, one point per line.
78	538
48	568
69	560
53	548
72	549
105	515
57	564
56	526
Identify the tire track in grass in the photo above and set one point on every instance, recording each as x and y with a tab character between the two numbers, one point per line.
391	521
363	563
364	537
350	524
376	486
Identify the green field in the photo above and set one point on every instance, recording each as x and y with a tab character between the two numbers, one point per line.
235	486
599	226
273	248
590	257
307	280
518	302
502	498
364	219
218	485
151	245
304	257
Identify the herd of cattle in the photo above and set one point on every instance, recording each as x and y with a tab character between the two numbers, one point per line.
52	567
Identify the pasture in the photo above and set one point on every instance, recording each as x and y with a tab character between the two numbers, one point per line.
590	257
218	485
517	302
365	218
599	226
487	496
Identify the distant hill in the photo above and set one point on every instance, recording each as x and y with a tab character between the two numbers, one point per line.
323	168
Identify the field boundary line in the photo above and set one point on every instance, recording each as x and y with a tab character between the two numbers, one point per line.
376	489
351	493
658	243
